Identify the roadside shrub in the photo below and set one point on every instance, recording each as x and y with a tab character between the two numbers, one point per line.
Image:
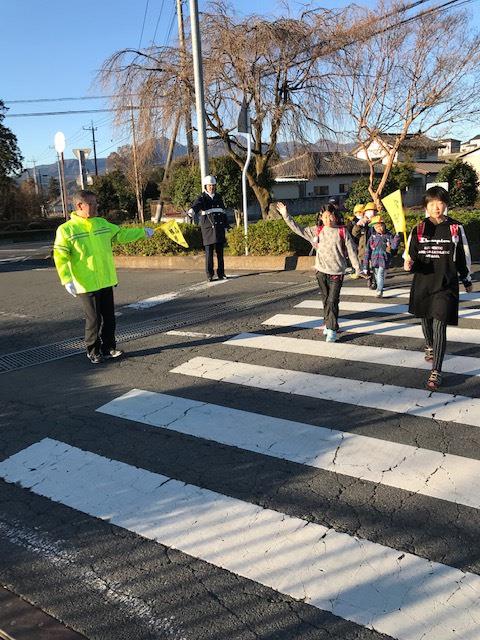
160	243
269	237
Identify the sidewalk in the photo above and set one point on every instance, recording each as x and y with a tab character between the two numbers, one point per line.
232	263
20	620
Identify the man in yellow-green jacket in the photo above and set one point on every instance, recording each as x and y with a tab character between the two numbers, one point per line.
84	261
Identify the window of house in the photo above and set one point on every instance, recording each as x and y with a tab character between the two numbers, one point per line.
321	190
343	188
422	155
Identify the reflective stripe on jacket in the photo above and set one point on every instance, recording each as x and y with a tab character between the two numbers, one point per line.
83	251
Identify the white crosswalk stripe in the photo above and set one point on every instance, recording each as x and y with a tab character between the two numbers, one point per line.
388	397
384	356
429	473
372	307
402	595
400	292
395	329
388	590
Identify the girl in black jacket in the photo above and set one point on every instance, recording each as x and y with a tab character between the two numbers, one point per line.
438	253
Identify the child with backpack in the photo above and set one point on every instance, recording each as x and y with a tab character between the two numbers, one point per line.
380	248
437	253
332	243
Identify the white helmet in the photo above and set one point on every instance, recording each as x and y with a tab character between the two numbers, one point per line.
209	180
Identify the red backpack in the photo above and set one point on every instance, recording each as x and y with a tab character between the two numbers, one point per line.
341	231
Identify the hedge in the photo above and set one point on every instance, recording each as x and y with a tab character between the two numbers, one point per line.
266	237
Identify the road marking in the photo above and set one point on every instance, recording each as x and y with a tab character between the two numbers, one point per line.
387	397
147	303
15	315
190	334
397	329
400	293
463	365
64	558
430	473
399	594
378	307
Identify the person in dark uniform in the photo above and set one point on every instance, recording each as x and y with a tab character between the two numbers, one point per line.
437	254
209	209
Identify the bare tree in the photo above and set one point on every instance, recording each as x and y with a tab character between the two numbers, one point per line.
275	64
412	76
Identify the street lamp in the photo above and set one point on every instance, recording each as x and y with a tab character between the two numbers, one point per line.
60	148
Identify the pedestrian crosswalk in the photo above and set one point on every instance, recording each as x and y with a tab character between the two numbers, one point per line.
393	591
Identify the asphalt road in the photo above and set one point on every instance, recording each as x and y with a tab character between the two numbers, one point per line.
180	510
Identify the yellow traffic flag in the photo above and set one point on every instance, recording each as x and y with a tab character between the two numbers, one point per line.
172	230
394	207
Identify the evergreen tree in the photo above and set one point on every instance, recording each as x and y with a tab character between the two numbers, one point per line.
462	183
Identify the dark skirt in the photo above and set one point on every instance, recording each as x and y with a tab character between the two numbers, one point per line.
428	300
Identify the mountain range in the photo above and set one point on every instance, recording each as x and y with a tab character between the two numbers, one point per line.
216	148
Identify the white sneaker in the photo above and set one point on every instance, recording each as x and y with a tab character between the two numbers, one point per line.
331	336
113	353
379	294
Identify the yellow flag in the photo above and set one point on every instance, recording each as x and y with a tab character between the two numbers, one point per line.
172	230
394	207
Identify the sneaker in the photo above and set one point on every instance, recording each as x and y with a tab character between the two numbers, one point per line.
331	336
95	358
224	277
113	353
210	279
325	331
379	294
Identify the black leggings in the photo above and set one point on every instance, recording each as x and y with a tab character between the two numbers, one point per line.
435	332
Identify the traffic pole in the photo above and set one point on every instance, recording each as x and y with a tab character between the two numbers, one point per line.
199	90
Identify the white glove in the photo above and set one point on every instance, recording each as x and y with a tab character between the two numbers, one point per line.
149	232
70	287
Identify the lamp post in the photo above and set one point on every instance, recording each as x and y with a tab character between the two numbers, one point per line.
244	126
60	148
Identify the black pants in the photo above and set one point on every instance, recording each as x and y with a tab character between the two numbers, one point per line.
99	320
330	291
209	248
435	332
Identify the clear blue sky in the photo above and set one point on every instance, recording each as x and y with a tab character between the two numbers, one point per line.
53	49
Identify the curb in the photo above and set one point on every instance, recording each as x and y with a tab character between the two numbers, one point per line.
232	263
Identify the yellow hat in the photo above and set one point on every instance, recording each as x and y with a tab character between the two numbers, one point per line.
359	208
376	220
370	206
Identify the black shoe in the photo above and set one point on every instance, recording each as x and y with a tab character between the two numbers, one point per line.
95	358
222	277
113	353
210	279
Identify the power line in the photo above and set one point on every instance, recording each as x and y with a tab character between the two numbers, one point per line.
158	21
171	26
143	24
59	99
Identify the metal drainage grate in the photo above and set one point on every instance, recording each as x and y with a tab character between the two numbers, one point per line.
134	331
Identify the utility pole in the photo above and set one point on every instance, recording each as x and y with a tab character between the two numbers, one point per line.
93	129
138	191
168	161
199	91
82	155
35	176
189	100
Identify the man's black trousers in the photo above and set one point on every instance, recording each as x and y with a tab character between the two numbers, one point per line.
99	320
209	248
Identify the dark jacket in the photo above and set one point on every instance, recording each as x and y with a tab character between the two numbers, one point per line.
361	234
212	218
437	262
